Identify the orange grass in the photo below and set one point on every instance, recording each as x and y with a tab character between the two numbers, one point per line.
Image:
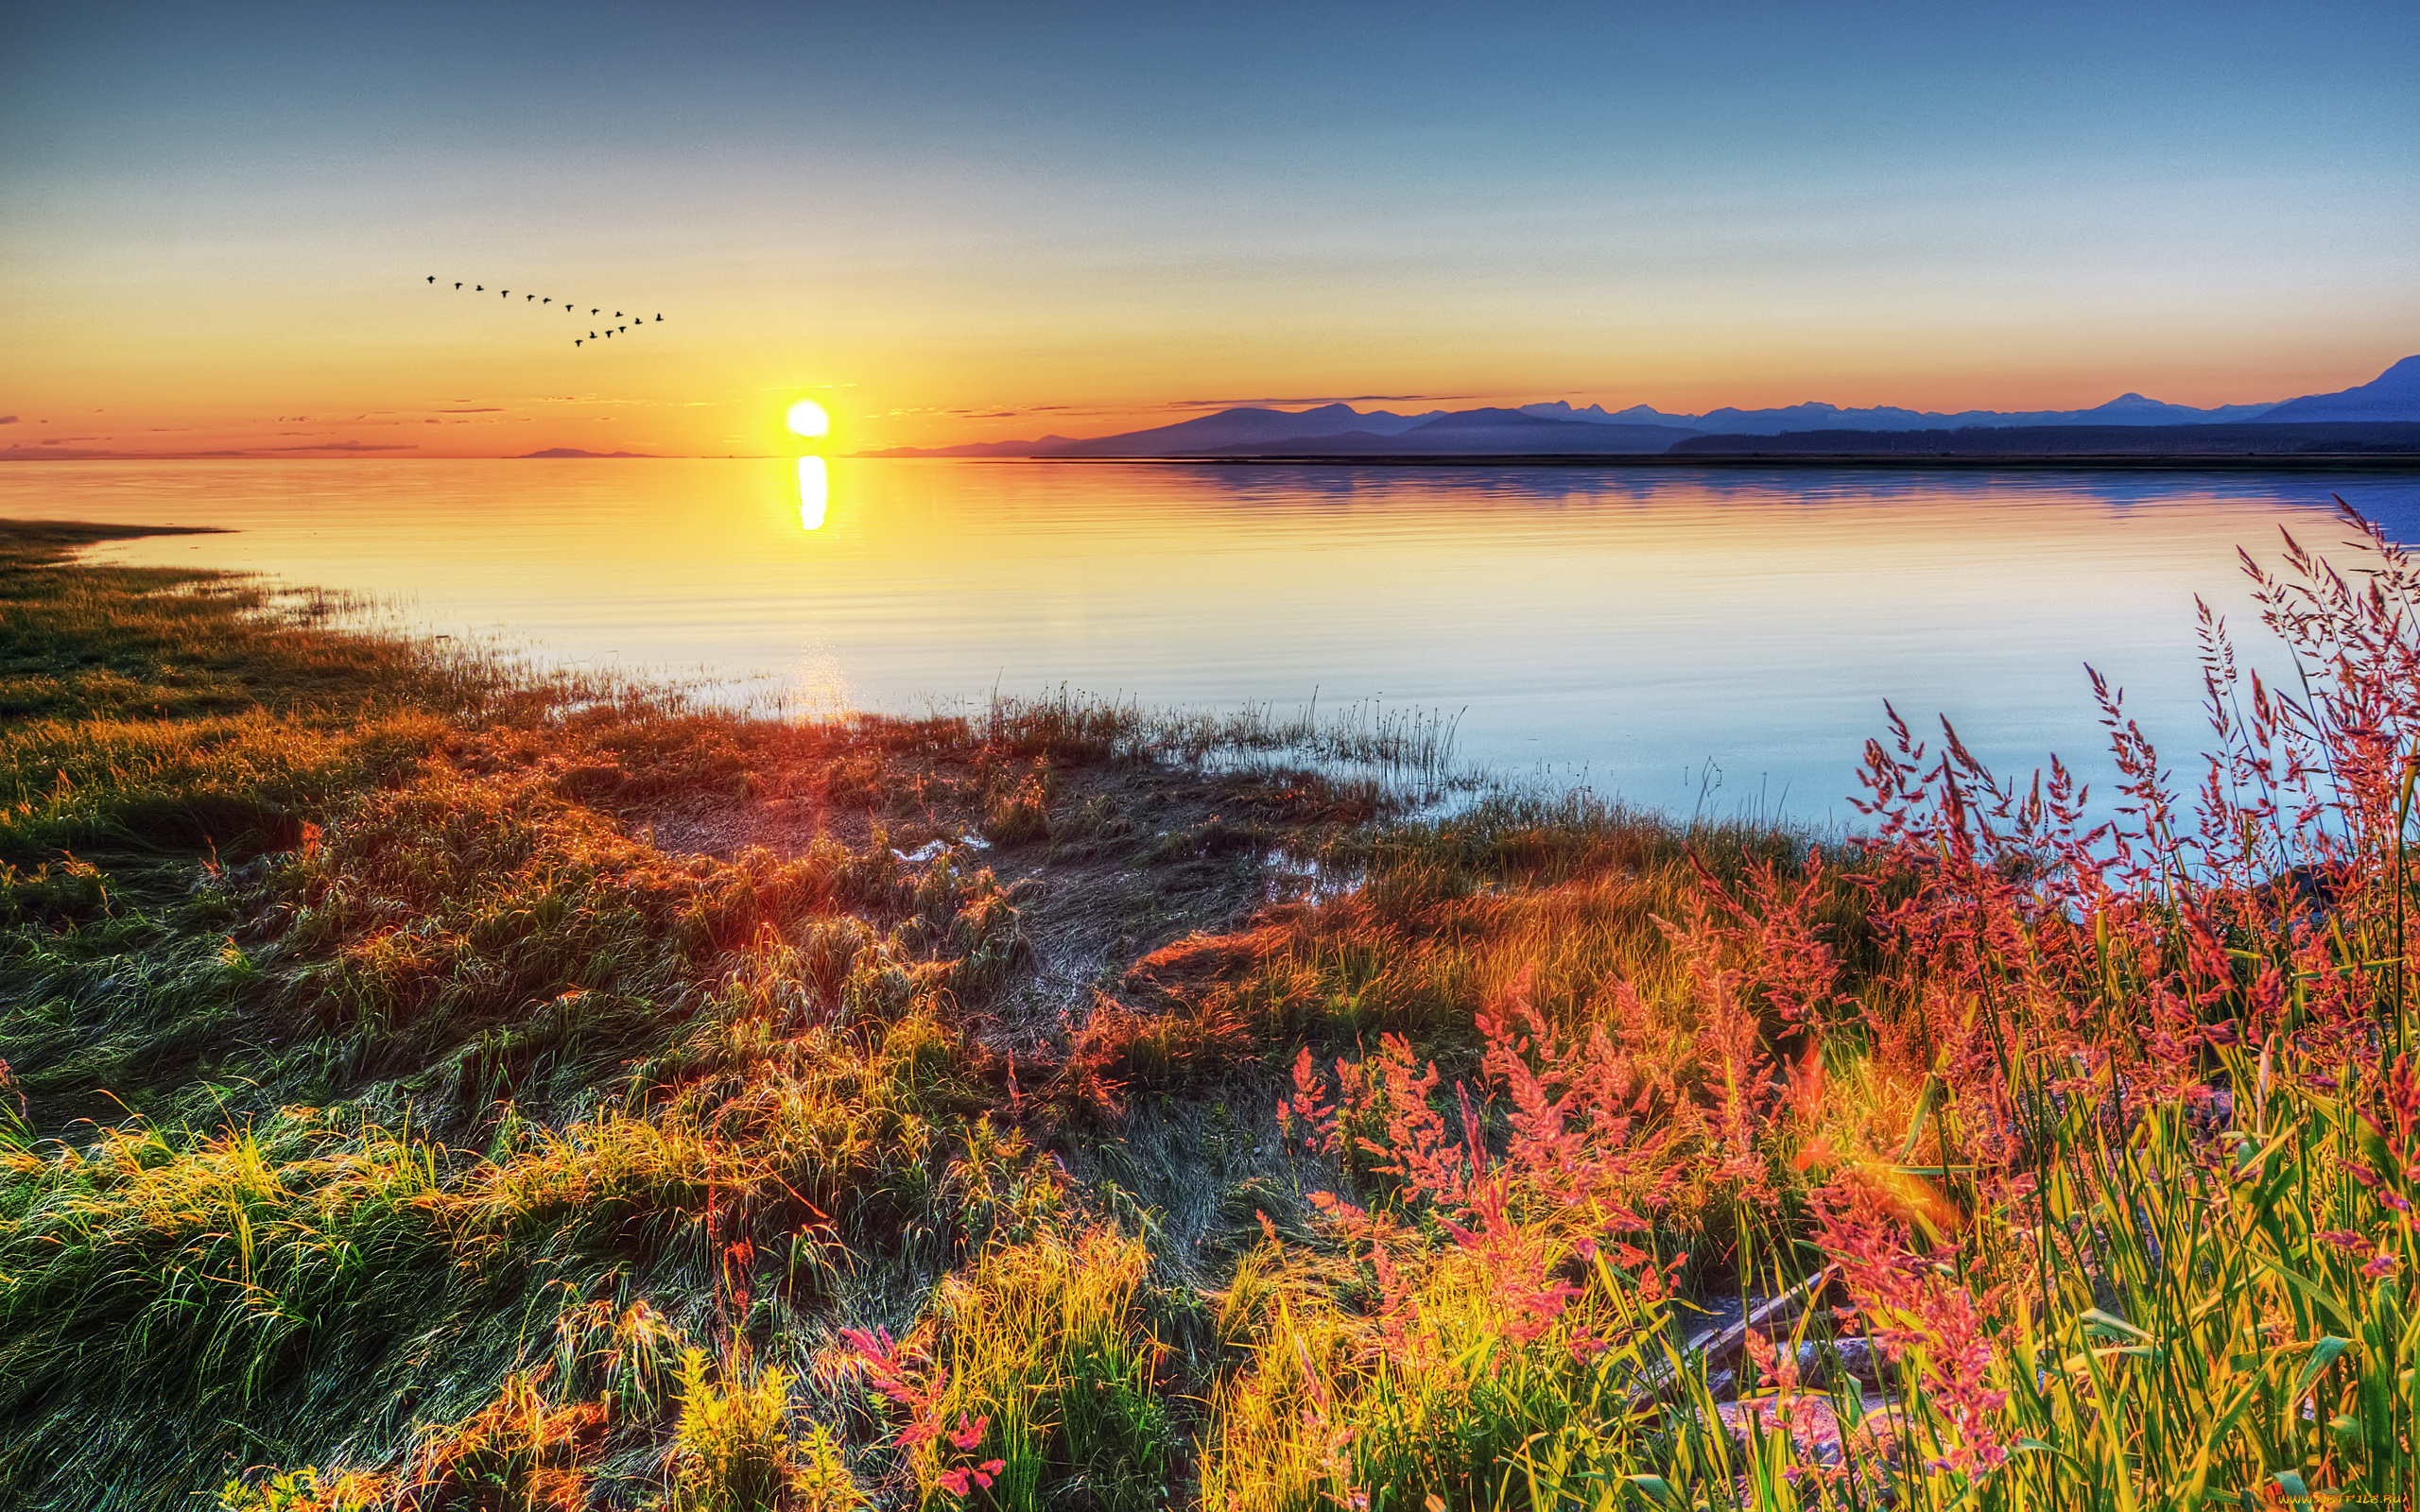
2080	1158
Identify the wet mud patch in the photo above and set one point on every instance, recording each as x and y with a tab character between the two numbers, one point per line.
1107	863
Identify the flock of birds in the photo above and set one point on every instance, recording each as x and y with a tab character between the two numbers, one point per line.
611	330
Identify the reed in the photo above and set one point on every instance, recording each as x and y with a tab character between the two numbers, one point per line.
1410	745
2140	1237
464	1146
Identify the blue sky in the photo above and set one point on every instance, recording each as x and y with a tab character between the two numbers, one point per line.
953	218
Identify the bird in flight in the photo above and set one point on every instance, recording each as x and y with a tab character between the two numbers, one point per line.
627	321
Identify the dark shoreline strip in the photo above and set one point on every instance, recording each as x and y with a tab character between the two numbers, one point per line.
2030	462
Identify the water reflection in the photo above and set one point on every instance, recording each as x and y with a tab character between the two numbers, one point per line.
814	488
1639	631
2390	499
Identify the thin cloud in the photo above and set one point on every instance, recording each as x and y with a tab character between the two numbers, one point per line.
1007	414
483	409
71	453
7	420
1323	399
350	446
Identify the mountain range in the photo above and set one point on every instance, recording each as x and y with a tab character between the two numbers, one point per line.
1558	429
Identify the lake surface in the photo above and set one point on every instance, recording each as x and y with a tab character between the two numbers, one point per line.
1723	639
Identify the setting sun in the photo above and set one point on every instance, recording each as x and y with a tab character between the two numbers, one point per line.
806	417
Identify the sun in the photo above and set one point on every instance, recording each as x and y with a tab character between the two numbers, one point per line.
806	417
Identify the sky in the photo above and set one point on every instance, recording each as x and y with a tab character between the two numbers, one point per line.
951	223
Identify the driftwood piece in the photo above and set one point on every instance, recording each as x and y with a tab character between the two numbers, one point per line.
1721	1346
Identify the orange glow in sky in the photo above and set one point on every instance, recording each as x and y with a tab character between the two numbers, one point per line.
231	235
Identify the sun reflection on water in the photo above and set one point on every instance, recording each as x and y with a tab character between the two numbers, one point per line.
814	490
1636	622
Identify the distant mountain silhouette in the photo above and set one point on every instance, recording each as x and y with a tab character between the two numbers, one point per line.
974	449
2126	409
2392	395
1558	428
1233	427
574	451
2258	437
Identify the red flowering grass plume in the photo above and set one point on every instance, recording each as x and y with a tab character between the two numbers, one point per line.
1575	1167
1577	1147
2403	1113
1728	1042
2397	1136
1402	1335
963	1479
1950	896
1574	1110
1911	1308
2347	732
1776	1372
1785	963
960	1481
1522	1260
1379	1121
2018	937
1531	1211
902	1372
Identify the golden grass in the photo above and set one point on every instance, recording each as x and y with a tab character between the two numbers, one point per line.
476	1151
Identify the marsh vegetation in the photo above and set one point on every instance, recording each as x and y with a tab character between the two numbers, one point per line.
436	1085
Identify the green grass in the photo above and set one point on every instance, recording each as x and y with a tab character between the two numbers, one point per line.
428	1083
363	1036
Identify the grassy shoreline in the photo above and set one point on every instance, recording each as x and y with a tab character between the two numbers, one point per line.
436	1086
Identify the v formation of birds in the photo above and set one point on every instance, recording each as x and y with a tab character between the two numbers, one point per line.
568	308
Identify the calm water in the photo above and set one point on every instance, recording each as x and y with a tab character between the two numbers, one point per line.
1675	638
